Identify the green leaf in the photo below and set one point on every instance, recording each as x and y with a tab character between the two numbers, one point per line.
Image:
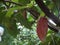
11	10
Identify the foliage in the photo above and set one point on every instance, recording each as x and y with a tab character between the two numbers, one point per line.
20	30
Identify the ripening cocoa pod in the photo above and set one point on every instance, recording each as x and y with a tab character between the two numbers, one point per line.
42	27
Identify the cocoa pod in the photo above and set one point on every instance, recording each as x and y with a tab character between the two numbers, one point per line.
42	27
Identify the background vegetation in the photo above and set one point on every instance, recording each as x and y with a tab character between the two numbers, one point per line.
19	20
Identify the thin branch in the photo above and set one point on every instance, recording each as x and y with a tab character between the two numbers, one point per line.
34	13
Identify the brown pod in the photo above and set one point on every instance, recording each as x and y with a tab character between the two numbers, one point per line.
42	27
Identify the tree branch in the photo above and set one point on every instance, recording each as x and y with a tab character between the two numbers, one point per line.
45	9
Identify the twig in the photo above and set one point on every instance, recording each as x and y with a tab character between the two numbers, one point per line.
34	13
